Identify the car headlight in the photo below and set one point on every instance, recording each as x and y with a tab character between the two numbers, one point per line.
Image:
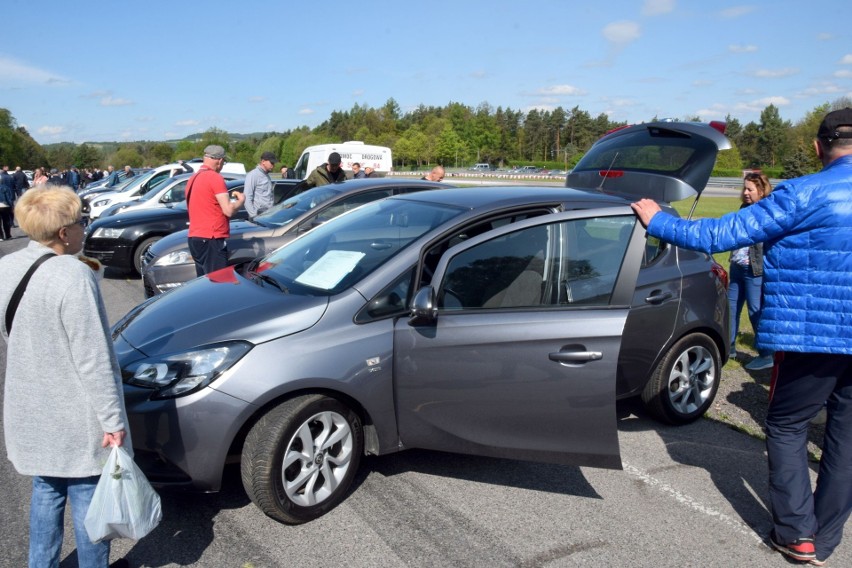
107	233
183	373
101	203
173	258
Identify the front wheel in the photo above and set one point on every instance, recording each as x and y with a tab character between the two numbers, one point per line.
139	252
685	382
300	458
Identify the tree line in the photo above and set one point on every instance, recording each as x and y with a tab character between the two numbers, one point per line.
454	135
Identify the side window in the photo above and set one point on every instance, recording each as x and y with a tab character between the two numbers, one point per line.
176	193
593	251
654	247
392	301
433	255
508	271
558	264
350	203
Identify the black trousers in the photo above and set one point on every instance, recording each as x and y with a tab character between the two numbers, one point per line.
802	384
6	222
210	255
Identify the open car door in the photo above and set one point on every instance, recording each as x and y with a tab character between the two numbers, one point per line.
512	350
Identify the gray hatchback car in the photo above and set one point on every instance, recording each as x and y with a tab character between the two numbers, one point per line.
501	322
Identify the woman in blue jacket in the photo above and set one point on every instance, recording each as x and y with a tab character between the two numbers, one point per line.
806	228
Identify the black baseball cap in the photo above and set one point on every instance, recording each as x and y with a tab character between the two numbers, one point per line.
834	120
269	156
334	159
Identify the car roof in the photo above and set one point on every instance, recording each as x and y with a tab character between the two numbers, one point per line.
498	197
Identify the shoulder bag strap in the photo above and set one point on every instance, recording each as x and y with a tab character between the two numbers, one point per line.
19	291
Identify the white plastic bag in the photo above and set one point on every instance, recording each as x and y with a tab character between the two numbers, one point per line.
124	503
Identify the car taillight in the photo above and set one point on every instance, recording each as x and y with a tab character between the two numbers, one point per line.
720	273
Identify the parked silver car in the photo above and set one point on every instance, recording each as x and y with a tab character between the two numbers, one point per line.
502	322
169	264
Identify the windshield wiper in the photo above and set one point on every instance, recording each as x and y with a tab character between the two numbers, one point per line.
269	279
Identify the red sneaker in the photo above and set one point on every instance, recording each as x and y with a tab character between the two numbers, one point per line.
802	549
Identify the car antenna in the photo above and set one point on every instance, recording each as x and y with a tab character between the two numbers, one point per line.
606	173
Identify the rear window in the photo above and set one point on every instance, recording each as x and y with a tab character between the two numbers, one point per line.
642	151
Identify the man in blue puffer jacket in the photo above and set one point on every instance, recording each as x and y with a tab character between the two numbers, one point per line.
806	227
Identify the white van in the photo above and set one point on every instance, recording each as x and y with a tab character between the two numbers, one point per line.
376	157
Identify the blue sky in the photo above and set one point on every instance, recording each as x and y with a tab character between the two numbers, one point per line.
104	70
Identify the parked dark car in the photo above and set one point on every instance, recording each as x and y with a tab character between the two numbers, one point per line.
169	264
503	322
121	240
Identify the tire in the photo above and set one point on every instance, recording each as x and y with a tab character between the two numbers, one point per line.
139	253
293	484
685	382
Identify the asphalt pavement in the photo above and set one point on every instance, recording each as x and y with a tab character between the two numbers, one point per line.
688	496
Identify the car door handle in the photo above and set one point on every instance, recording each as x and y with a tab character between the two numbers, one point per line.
379	245
575	356
658	297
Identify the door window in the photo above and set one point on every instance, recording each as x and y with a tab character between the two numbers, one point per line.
564	263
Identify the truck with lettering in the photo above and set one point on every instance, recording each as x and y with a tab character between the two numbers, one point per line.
376	157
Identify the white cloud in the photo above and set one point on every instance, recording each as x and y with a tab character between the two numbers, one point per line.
51	130
846	59
561	90
777	101
824	36
188	122
114	101
306	111
742	48
480	74
358	93
256	99
14	72
621	33
737	11
820	89
654	7
843	74
775	73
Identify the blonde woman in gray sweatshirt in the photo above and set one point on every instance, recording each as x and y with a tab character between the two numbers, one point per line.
63	405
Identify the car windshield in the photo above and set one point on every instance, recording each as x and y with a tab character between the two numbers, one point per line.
289	209
135	181
336	255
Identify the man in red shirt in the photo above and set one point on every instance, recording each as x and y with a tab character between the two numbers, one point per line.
210	208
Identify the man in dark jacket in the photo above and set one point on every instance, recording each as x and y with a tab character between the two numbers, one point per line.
20	180
806	227
329	172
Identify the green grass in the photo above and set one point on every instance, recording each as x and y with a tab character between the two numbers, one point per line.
713	207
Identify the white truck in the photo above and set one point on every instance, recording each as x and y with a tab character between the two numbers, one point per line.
369	156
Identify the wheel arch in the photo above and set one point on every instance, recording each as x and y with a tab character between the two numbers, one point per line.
371	439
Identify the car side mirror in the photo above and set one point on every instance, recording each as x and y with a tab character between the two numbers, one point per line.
424	310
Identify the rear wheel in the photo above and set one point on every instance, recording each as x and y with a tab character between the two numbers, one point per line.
139	252
685	381
299	460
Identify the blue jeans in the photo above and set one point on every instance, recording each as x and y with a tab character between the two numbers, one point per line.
744	288
47	522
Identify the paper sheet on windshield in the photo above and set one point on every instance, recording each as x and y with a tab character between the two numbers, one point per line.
328	271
